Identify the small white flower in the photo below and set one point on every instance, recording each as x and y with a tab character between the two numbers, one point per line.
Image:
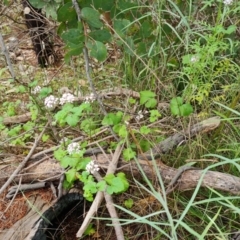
73	148
36	90
67	98
27	10
92	167
194	59
140	114
63	140
90	98
51	101
228	2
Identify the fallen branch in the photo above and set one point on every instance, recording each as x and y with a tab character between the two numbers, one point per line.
112	166
169	143
188	180
17	119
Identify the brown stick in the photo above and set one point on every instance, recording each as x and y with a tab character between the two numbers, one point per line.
112	165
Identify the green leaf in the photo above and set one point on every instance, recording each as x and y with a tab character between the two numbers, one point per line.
175	105
90	186
132	100
147	98
104	5
32	84
66	161
38	3
122	132
180	109
51	10
21	89
120	26
97	50
151	103
72	160
128	203
112	119
67	185
14	131
83	177
89	231
186	110
73	52
101	185
231	29
145	145
45	137
28	126
154	115
92	17
88	195
122	176
74	36
145	130
72	120
128	154
88	125
146	29
79	110
45	91
81	165
59	154
116	184
61	116
71	175
66	13
102	35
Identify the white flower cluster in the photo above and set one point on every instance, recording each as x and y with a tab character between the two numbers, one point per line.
67	98
50	101
73	148
92	167
36	90
140	114
90	98
227	2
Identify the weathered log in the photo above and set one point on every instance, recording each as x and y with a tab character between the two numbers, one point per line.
188	180
50	170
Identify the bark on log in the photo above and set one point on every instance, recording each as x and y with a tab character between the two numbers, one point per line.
50	170
187	181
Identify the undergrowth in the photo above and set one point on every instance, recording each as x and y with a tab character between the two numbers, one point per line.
182	58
